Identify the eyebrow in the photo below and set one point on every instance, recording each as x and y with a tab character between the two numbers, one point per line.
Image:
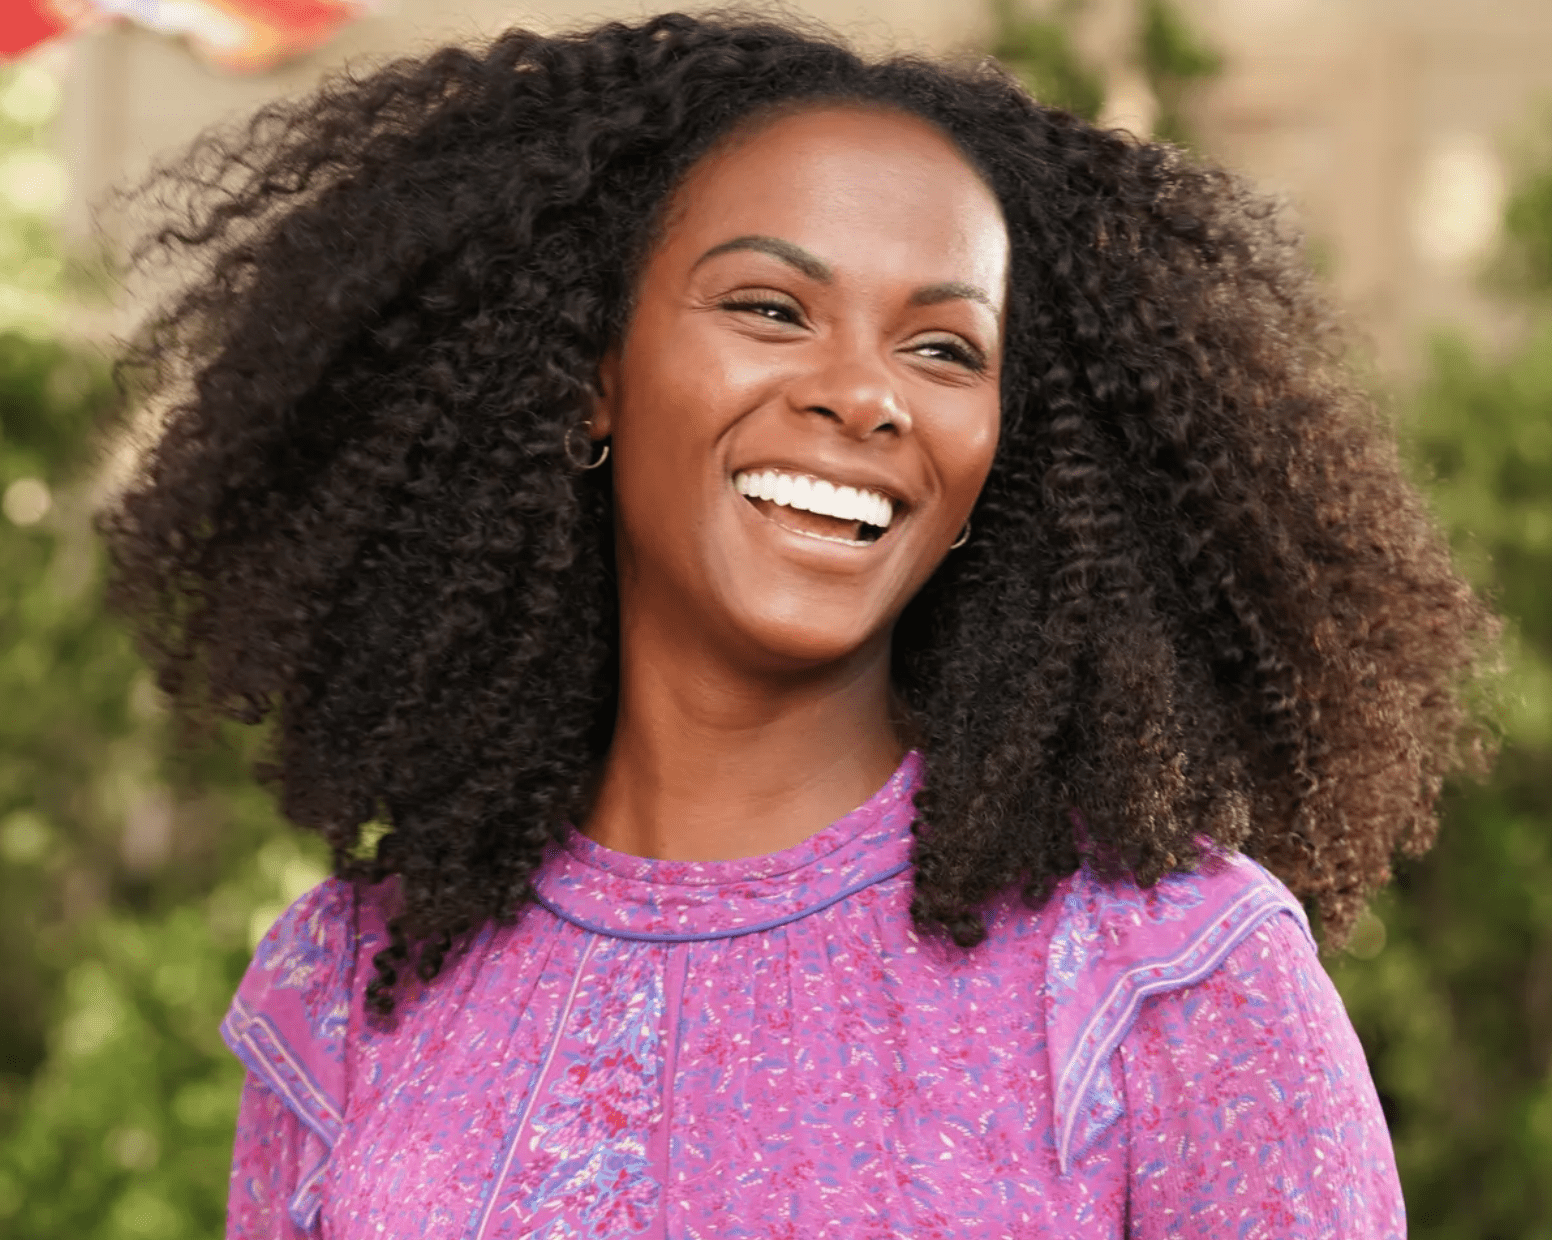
951	290
792	255
817	269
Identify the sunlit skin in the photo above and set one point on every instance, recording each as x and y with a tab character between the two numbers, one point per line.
827	299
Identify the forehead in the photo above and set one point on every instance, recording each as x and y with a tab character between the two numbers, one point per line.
857	186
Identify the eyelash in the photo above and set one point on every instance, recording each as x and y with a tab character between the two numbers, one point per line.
960	354
762	303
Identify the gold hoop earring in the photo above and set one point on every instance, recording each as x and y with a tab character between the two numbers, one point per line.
964	537
576	453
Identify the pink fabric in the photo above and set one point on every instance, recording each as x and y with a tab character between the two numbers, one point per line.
766	1048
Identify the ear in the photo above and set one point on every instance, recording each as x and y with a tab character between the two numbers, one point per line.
601	420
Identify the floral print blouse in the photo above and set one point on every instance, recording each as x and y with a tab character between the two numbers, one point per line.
767	1048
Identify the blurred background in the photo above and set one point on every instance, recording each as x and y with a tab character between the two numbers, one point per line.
1410	139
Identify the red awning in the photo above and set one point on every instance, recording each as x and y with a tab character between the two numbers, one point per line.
241	35
26	23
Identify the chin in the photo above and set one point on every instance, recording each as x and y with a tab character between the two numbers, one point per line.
791	643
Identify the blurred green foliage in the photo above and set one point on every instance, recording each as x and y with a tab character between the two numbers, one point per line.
1529	237
32	187
127	1127
1175	58
1039	49
1449	981
134	878
65	678
1040	52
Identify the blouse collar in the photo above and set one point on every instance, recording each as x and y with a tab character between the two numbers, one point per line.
628	897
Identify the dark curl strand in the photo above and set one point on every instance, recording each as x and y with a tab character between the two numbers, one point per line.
1201	602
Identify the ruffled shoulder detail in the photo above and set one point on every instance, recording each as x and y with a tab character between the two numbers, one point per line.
289	1022
1115	944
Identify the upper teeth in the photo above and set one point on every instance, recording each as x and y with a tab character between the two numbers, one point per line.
817	495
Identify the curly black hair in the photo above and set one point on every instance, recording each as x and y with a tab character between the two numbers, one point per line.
1202	603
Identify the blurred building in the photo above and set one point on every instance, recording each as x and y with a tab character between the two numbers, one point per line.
1396	127
1392	126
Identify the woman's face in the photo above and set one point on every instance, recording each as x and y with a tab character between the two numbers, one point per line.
805	405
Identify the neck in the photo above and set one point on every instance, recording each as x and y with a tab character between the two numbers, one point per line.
710	764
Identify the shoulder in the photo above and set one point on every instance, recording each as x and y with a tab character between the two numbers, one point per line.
1250	1107
290	1022
1180	927
306	938
1115	945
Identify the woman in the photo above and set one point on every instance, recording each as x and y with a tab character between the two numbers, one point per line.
923	544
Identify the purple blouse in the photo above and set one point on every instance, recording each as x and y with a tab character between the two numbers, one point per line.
766	1048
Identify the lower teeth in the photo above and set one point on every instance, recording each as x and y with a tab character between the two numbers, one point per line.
845	542
865	533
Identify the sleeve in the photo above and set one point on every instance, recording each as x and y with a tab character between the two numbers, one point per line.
1251	1110
289	1024
268	1158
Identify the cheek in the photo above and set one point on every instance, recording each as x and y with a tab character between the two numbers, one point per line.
966	454
660	410
676	380
664	440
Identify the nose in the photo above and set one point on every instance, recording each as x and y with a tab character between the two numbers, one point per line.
855	390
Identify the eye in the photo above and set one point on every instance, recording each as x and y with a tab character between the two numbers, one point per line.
958	352
771	309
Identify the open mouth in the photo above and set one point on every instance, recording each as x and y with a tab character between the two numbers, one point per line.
854	516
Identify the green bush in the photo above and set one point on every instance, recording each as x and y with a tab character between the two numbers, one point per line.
1040	53
135	880
1175	57
127	1129
1451	984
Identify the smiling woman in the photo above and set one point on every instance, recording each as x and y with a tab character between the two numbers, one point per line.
837	803
823	309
